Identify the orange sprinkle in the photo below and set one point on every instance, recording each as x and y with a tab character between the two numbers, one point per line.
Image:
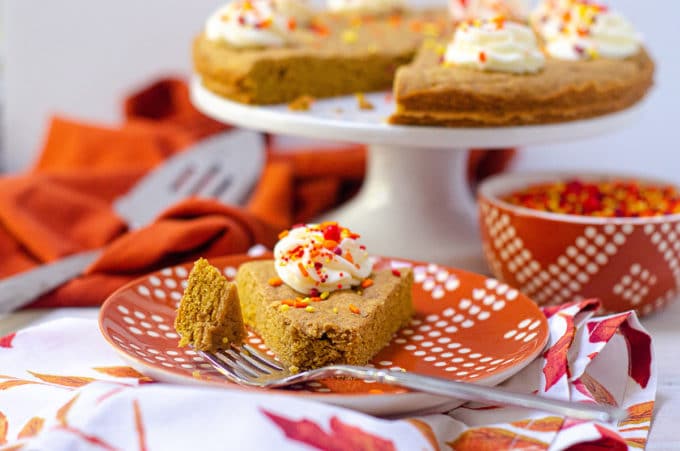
302	269
354	309
348	257
366	283
320	29
283	234
482	57
275	282
328	223
288	302
315	299
330	244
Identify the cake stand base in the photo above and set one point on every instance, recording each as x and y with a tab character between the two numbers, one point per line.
416	204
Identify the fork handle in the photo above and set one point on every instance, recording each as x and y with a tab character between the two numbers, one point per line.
480	393
19	290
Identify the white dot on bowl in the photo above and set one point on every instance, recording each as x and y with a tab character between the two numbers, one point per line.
144	291
123	310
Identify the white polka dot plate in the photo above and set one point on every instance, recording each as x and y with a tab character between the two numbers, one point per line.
466	327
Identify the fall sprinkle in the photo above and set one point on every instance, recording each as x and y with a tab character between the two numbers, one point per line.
615	199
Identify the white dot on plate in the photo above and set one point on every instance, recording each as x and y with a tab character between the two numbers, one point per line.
123	310
140	315
465	304
144	291
419	353
170	283
410	347
128	320
181	272
430	358
483	316
448	312
510	334
444	340
171	335
453	345
464	350
468	323
498	305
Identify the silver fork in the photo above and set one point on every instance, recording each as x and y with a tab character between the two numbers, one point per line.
224	167
246	366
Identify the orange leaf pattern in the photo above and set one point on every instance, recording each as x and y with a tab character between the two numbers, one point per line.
556	357
63	410
604	330
493	439
122	371
596	390
639	413
343	437
66	381
139	426
427	432
547	424
637	442
32	427
5	385
3	428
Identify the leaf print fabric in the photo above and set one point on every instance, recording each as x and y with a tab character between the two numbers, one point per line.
88	398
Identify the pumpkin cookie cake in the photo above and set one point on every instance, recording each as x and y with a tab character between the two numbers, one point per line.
274	51
582	60
320	302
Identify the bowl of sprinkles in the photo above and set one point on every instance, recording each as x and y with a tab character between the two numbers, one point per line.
560	237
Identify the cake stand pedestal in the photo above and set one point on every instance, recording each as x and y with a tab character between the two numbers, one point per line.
415	201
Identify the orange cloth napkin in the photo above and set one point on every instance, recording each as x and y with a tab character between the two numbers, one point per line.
63	205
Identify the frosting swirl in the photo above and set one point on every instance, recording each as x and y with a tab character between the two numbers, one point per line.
257	23
486	9
366	7
323	257
583	30
495	45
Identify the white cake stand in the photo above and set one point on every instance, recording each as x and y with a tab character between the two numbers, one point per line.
415	201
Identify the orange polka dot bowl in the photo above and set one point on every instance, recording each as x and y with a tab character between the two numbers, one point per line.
627	262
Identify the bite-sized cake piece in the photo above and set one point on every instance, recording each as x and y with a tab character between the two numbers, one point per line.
493	74
254	51
320	302
209	315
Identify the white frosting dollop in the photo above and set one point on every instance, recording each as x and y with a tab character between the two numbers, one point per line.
495	45
257	23
582	31
366	7
324	257
486	9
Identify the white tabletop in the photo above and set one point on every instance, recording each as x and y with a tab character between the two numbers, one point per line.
663	326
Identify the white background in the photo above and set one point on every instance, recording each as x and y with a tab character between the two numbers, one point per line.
80	57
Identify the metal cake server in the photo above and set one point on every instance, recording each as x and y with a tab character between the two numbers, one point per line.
224	167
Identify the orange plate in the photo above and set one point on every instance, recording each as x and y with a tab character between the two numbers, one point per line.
467	327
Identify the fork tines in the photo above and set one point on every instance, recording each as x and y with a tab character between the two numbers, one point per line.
242	363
